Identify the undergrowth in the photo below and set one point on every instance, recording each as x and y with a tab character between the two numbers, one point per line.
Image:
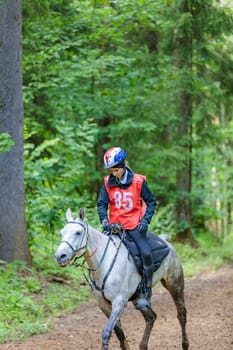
30	298
209	253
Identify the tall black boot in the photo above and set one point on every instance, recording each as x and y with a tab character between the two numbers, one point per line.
148	276
144	299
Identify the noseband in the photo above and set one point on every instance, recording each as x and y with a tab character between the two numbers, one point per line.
85	229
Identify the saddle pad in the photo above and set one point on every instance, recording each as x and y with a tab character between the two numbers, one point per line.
159	250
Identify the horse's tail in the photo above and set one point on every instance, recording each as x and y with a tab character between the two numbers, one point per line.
165	237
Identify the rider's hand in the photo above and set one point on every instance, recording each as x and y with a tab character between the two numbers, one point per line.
116	228
106	226
143	227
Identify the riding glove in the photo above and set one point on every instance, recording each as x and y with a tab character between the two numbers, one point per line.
143	227
106	226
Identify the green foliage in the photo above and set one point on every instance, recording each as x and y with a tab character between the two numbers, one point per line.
204	254
226	248
16	308
5	142
163	221
29	298
97	75
56	172
35	9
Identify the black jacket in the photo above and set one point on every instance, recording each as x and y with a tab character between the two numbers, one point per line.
146	195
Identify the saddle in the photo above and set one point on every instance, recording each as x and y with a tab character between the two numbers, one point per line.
159	249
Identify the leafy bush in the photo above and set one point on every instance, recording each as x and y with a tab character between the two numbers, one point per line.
56	171
208	253
163	221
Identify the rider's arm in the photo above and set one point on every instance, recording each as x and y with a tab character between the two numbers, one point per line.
102	204
150	201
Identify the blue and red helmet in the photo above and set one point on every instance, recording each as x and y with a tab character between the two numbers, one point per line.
113	157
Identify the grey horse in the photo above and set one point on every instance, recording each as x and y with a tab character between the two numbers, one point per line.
114	278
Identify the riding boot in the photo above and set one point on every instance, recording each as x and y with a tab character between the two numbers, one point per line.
144	299
148	275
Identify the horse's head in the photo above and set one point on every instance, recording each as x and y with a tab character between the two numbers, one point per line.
74	238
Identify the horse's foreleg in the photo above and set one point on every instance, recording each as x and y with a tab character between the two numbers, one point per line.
121	336
177	292
113	323
150	317
118	329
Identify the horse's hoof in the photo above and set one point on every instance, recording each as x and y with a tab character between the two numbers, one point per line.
125	345
185	345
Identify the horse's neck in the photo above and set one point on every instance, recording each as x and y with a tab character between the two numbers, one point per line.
97	242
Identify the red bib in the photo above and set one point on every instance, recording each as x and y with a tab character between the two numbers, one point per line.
126	205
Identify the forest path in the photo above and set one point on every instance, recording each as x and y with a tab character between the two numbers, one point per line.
209	302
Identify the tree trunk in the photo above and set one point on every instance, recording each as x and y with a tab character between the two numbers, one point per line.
184	171
184	140
13	235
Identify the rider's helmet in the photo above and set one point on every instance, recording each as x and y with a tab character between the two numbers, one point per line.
114	157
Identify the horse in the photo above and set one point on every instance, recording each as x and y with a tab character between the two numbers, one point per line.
114	278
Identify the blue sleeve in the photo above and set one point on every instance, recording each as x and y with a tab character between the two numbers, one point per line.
102	204
150	201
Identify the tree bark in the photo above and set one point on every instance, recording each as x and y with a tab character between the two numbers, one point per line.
13	234
184	133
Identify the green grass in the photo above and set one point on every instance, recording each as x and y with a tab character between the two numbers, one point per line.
208	253
31	298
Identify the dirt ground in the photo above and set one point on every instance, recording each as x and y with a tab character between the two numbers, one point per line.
209	302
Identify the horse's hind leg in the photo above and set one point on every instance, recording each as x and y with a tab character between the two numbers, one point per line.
176	288
150	317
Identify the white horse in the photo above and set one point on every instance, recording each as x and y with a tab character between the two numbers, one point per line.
114	279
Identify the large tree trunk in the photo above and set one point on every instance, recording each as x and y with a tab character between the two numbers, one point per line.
13	235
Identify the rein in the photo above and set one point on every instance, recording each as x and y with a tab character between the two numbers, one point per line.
95	250
93	283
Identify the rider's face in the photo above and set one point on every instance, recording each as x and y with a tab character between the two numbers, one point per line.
117	172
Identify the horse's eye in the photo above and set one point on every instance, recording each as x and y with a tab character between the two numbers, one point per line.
77	233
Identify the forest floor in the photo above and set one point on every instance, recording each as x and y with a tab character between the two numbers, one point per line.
209	302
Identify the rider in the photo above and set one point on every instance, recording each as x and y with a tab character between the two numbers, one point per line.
132	204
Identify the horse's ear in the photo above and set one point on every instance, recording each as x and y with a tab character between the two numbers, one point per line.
81	214
69	216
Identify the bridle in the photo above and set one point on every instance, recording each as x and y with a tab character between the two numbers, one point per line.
75	251
92	280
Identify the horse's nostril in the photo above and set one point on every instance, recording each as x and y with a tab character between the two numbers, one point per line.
60	258
63	257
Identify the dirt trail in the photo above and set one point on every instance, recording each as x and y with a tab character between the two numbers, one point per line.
209	302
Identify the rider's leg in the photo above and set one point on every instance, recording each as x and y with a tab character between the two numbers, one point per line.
147	269
143	245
